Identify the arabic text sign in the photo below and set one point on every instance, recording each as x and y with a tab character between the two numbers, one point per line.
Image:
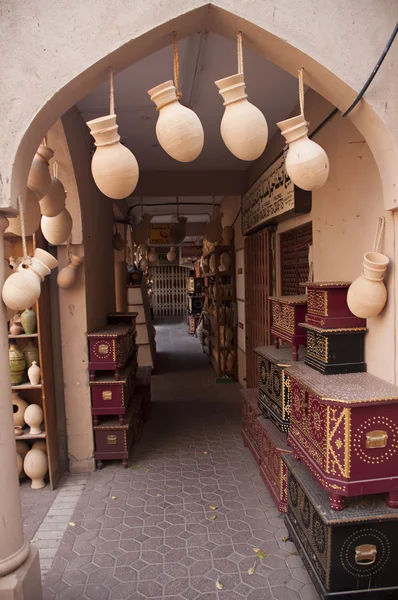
160	234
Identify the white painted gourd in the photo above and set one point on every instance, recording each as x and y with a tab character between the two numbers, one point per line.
171	255
36	466
367	295
34	373
57	229
178	128
67	276
19	406
54	201
141	231
39	445
34	417
39	178
152	255
32	216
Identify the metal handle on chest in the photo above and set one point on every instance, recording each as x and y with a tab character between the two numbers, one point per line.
107	395
376	439
365	554
111	439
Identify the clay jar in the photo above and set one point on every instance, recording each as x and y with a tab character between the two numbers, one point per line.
16	328
34	417
67	276
213	229
34	373
177	231
306	162
35	466
57	229
22	448
367	295
226	261
171	255
114	167
152	256
17	364
39	178
31	353
178	128
141	231
39	445
244	129
28	320
31	216
227	235
19	406
54	201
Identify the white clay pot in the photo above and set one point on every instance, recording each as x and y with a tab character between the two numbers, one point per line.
34	373
152	255
23	448
367	295
114	168
178	231
19	406
213	229
226	261
31	216
54	201
34	417
38	445
171	255
227	235
306	162
244	129
39	178
67	276
35	466
45	258
142	230
57	229
21	289
178	128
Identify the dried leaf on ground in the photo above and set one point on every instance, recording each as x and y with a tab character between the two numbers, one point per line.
252	569
213	517
113	497
135	467
219	585
72	524
213	507
205	452
285	539
35	539
259	553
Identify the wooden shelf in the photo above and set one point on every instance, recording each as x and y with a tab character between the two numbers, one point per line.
27	386
221	298
22	336
27	436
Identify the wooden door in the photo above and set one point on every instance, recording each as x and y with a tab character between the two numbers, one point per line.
257	289
294	246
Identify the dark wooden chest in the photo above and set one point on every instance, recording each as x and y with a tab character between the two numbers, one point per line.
287	314
327	306
251	430
110	397
272	468
110	349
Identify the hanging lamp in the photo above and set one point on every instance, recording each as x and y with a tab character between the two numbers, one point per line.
114	167
306	162
178	128
54	201
117	240
244	129
178	230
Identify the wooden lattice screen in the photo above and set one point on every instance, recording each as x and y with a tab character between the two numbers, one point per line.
169	291
294	259
257	288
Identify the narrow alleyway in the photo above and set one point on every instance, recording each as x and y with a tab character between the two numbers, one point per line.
189	510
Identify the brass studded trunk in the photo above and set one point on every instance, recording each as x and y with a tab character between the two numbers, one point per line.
110	348
110	397
335	350
272	468
327	306
251	430
287	314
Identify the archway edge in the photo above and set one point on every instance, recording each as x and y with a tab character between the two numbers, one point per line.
280	31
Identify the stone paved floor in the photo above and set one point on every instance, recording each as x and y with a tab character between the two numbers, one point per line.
148	532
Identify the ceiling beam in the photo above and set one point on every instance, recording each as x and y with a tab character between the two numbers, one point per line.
191	183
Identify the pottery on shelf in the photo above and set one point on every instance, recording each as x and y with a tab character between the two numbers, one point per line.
31	353
178	231
39	445
141	231
213	229
34	417
244	129
32	216
67	276
143	264
306	162
18	430
19	406
226	261
17	364
29	321
16	328
178	128
39	178
34	373
171	255
230	361
23	447
19	465
35	466
113	166
367	295
54	201
227	235
152	255
21	289
57	229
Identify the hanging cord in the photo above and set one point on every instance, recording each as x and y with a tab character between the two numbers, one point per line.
176	65
301	89
21	206
111	92
69	249
239	41
381	223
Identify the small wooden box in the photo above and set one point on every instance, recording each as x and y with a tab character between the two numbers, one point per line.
195	304
123	318
327	306
251	430
272	468
287	314
110	397
350	555
110	349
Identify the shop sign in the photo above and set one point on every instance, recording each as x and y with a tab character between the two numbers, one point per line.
159	234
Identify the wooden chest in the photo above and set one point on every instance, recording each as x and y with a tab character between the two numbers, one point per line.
251	430
327	306
272	468
350	555
335	350
345	428
274	395
195	304
193	322
110	397
287	314
110	349
123	318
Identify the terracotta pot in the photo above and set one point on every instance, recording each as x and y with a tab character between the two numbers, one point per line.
54	201
39	178
141	231
67	276
34	417
367	295
152	256
31	216
17	364
46	258
16	329
117	242
34	373
19	406
226	261
22	448
178	231
18	431
114	168
31	353
29	321
143	264
306	162
243	126
39	445
171	255
57	229
36	466
213	229
178	128
21	289
227	235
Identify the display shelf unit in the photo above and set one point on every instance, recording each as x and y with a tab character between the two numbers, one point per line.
22	336
30	436
138	302
219	312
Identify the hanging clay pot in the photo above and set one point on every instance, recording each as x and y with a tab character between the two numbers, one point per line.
34	417
35	466
117	242
178	128
17	364
244	129
178	231
22	448
225	261
19	406
143	264
171	255
367	295
142	230
31	216
213	229
114	167
31	353
46	258
29	321
67	276
40	445
306	162
34	373
227	235
39	178
152	255
54	201
57	229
